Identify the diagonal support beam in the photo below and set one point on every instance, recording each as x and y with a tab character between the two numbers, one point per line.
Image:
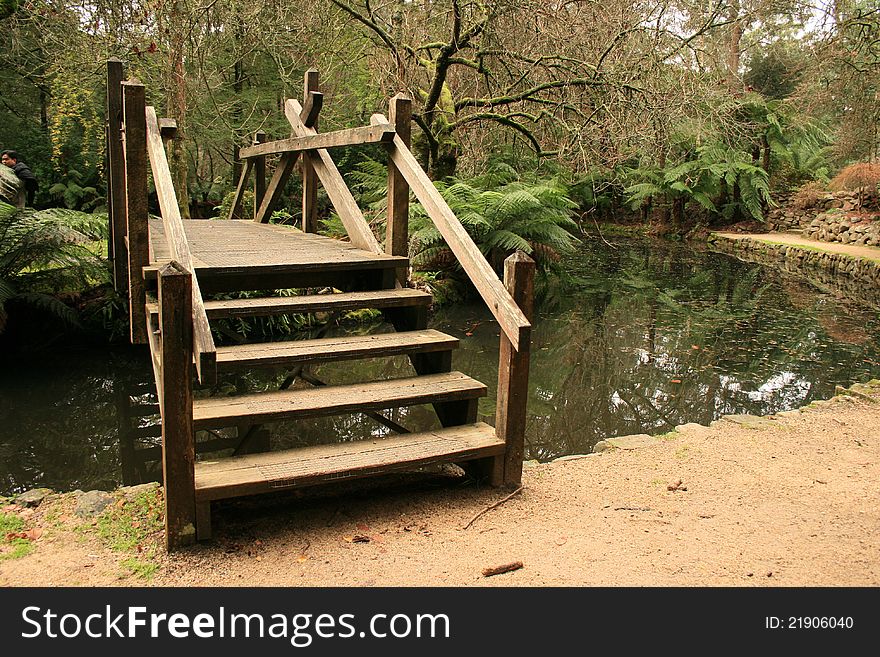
276	186
352	218
239	191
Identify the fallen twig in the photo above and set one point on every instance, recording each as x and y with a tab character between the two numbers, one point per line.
506	568
492	506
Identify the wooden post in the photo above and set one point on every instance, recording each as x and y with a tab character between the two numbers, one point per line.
116	250
513	376
397	226
136	209
259	173
310	178
236	170
176	404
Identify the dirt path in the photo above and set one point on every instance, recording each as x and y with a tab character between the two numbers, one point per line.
856	251
790	500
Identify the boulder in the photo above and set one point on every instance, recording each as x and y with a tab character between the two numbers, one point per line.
33	497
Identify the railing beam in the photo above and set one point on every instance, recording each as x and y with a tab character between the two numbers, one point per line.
176	404
397	222
136	210
309	176
513	376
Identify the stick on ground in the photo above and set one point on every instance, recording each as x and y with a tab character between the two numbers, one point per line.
492	506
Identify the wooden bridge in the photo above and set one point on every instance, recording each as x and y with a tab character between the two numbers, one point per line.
169	268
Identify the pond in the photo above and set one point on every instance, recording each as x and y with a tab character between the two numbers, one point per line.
650	335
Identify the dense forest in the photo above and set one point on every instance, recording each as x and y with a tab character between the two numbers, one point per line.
531	116
658	105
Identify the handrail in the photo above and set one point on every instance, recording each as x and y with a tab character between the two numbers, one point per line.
510	317
203	343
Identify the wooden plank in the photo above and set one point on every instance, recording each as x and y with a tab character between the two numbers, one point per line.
261	473
511	319
513	376
168	129
235	210
312	303
116	177
259	174
334	349
176	401
334	400
276	187
371	134
397	225
352	218
404	297
175	237
309	177
136	209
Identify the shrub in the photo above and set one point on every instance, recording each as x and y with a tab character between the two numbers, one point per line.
808	195
862	178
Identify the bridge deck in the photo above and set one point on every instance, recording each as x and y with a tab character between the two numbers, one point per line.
228	250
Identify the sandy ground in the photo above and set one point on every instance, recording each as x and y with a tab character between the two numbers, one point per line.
790	500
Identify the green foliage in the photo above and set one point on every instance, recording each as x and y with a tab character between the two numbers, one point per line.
11	545
46	252
501	211
72	191
246	207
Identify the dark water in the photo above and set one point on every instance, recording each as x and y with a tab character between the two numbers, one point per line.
653	335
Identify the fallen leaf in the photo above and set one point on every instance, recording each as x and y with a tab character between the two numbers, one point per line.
302	558
562	540
11	536
676	381
34	534
357	538
676	486
363	526
135	523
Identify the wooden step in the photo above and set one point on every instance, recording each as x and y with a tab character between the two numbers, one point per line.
312	303
217	412
334	349
272	471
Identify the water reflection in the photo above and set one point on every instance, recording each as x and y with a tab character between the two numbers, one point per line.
655	335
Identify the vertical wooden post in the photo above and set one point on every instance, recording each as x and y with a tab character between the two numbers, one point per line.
397	225
310	178
259	174
513	376
116	176
136	209
236	177
176	404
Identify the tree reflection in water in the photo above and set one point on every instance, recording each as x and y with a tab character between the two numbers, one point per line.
652	335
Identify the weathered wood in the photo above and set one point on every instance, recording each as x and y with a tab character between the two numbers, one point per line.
176	401
276	187
312	105
511	319
334	400
117	251
334	349
203	521
397	226
371	134
259	174
235	210
513	375
309	176
262	473
178	247
137	212
168	129
312	303
352	218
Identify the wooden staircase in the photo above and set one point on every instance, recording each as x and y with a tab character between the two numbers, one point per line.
167	266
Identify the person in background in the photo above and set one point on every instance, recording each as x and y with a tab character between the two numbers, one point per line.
10	159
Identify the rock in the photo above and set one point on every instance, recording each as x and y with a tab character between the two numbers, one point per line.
131	492
92	503
625	442
33	497
749	421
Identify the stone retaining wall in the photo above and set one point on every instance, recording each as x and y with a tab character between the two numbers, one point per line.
856	278
834	218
